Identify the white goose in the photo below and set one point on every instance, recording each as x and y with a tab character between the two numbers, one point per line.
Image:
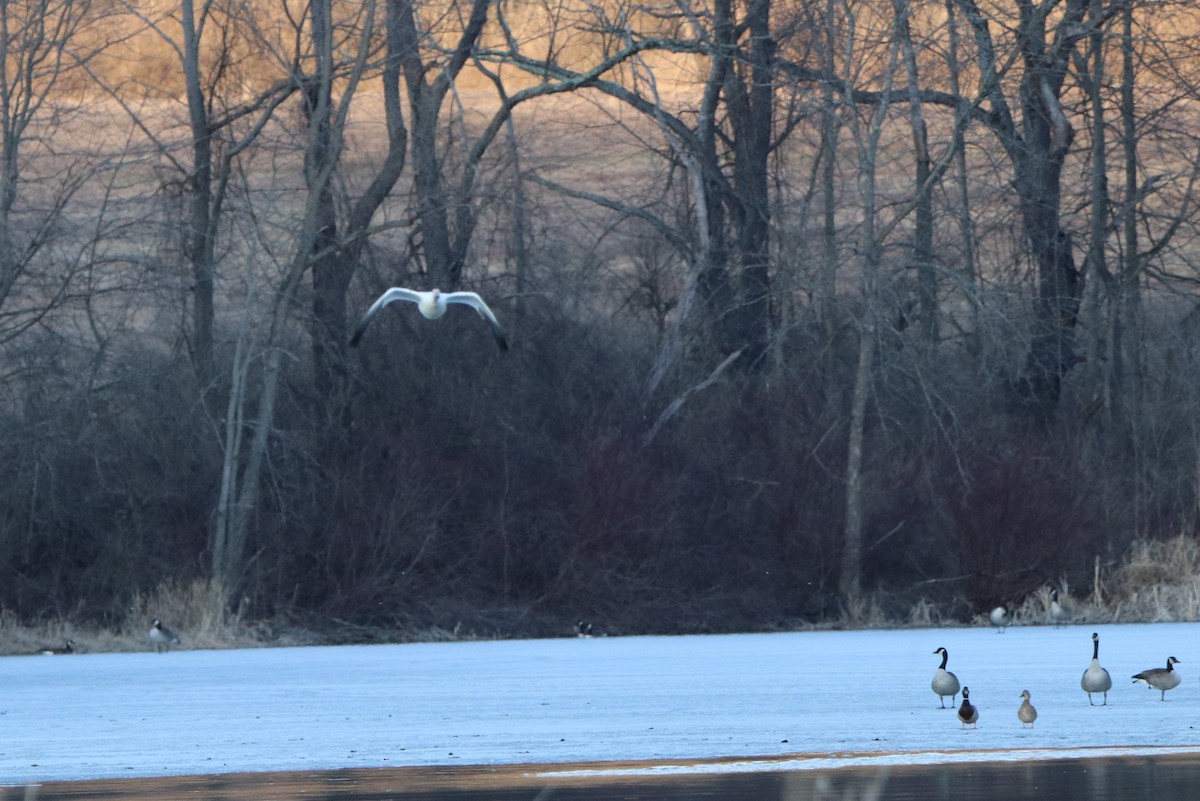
1000	618
432	305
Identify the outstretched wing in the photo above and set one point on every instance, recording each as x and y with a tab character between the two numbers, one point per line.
395	293
475	302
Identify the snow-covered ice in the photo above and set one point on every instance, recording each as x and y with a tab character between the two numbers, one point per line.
834	697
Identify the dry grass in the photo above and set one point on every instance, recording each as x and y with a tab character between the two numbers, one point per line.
1158	581
184	608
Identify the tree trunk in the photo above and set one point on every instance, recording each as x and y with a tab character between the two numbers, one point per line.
200	228
850	578
922	255
443	264
338	247
1123	384
1038	149
749	101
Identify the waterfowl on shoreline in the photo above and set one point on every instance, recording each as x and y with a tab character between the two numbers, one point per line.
1059	612
1000	618
162	637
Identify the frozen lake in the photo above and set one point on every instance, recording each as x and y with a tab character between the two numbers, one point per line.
790	701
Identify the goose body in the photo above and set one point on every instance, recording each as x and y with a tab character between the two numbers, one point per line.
1000	619
1026	714
1059	614
967	712
1095	678
944	682
432	305
68	647
1161	679
162	637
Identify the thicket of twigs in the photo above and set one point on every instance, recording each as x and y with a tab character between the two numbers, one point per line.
1017	360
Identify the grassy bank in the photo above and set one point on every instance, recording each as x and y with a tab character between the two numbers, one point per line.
1157	581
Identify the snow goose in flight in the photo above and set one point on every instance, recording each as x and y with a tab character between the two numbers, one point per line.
432	305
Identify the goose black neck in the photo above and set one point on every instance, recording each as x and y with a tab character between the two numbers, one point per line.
1096	648
945	657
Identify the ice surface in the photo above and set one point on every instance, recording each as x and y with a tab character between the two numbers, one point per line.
851	695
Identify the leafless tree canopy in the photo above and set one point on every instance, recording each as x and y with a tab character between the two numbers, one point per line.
812	305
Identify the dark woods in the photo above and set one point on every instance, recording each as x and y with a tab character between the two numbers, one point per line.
792	339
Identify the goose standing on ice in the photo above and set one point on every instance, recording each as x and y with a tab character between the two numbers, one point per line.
1059	613
944	682
968	713
68	647
162	637
1095	678
1026	714
1161	679
432	305
1000	618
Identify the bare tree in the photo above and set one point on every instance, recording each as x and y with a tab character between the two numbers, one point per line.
225	113
339	244
867	149
428	82
42	49
1037	143
333	63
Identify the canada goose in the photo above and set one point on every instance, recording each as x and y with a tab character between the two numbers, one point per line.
1095	678
1059	613
1026	714
944	682
162	637
1000	619
68	647
432	305
966	712
583	629
1161	679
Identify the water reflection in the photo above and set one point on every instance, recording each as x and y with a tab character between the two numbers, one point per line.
1140	778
